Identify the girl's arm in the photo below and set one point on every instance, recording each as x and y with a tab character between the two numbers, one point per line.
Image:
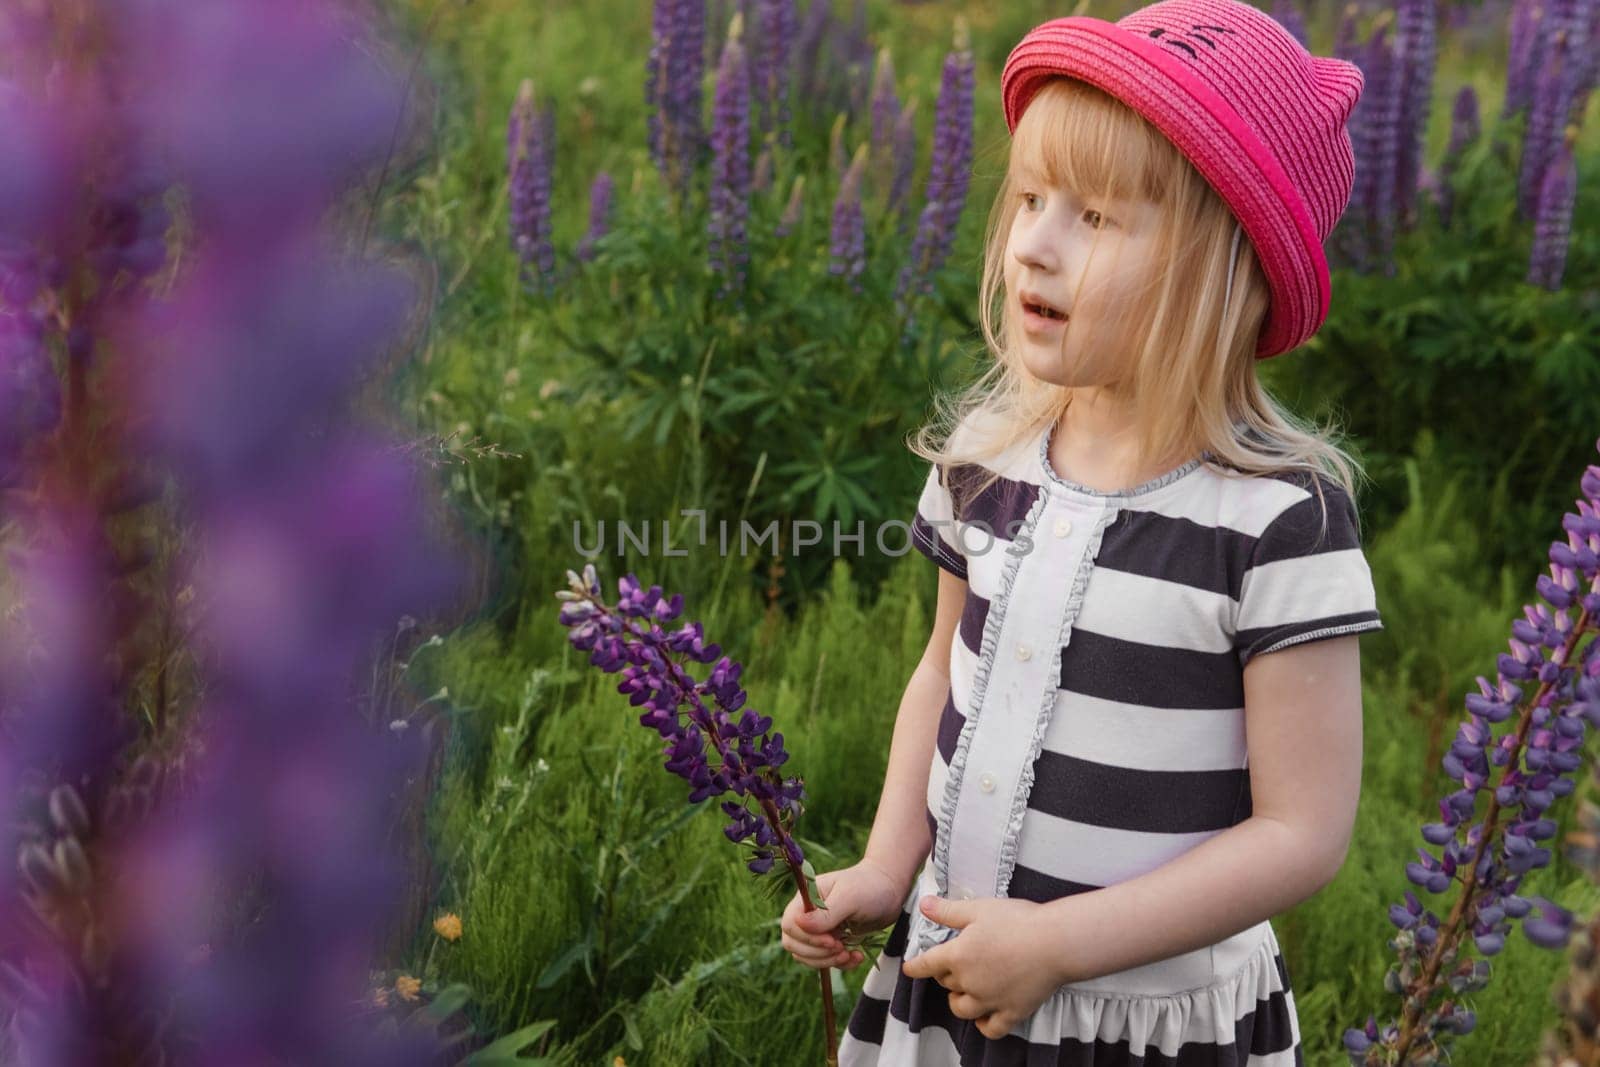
1303	721
900	841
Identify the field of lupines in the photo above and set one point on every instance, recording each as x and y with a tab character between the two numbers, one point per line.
338	336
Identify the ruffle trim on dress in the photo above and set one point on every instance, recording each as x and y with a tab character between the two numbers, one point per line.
1208	1014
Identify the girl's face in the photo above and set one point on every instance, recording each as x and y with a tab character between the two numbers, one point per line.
1089	258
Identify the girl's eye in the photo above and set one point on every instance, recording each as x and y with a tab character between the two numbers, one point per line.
1104	220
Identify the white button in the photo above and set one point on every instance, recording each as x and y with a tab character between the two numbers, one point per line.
986	783
1063	527
1023	651
966	894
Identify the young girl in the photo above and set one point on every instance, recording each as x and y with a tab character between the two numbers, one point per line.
1145	564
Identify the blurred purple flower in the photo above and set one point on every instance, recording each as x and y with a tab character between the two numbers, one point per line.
1346	38
885	114
847	245
905	163
234	128
30	395
599	213
1547	114
1553	224
1416	46
809	55
1287	13
300	326
198	904
1464	130
850	54
1375	132
673	93
1523	36
730	178
1584	63
772	66
948	173
530	159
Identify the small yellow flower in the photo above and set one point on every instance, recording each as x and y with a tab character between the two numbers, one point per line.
619	1062
513	376
548	388
448	926
407	986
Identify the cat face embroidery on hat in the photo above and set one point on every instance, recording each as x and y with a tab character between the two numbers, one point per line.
1201	34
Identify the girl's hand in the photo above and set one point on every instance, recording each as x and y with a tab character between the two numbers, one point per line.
1000	969
865	896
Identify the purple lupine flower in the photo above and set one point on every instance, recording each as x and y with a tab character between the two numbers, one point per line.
530	163
1546	115
771	71
628	638
673	91
1287	13
808	53
948	173
1582	64
1553	225
847	247
791	211
905	163
885	114
599	211
652	662
30	393
1375	134
1523	34
241	929
1464	130
663	40
1346	42
1416	33
730	177
1486	860
719	15
852	54
687	91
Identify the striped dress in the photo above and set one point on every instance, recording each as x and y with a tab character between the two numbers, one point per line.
1094	729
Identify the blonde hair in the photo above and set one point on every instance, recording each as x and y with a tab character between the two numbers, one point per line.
1191	366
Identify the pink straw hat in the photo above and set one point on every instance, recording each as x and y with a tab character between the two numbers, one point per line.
1260	117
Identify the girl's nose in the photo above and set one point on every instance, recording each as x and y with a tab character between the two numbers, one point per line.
1037	250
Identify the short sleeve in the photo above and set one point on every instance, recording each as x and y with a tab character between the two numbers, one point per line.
1303	583
933	528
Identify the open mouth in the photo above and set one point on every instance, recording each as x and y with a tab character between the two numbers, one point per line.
1043	310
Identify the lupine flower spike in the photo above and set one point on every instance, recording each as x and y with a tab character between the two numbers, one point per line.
530	157
847	250
730	177
948	173
1486	860
628	638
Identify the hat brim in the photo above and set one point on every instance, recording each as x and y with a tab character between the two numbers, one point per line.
1207	130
